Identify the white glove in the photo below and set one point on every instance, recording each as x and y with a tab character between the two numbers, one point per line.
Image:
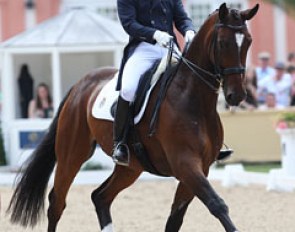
189	36
162	38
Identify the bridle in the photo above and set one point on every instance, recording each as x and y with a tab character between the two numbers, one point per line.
231	70
219	72
196	70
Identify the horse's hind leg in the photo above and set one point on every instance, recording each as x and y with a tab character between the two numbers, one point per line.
103	196
182	199
70	158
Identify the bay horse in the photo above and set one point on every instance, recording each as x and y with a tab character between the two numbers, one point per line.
187	141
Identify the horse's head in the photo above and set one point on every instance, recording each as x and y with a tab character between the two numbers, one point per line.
229	46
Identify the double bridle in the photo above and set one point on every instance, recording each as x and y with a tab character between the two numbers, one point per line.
219	72
196	69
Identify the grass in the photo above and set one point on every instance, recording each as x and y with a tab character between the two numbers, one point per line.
262	167
93	166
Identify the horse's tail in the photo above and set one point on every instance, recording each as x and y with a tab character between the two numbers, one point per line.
27	203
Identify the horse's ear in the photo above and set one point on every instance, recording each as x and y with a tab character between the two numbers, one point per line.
249	14
223	12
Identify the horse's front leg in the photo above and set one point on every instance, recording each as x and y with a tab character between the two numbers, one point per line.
193	177
182	199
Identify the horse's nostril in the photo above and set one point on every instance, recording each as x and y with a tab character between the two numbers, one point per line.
234	99
229	97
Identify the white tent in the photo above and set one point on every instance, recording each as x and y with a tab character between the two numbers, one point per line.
59	52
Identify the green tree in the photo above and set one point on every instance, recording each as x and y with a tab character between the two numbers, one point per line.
288	5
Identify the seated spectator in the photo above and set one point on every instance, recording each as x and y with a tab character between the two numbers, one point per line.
41	105
250	102
279	84
270	103
291	71
263	71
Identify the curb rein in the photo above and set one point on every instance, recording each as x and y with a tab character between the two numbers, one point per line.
219	72
217	76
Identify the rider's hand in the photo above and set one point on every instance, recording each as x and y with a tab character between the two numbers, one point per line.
189	35
162	38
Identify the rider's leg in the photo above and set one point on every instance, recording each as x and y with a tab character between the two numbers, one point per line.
122	121
141	60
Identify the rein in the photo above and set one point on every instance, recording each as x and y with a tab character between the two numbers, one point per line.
219	72
196	70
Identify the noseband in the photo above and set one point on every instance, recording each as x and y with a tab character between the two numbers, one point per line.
230	70
219	72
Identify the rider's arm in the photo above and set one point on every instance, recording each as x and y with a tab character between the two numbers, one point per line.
182	22
127	15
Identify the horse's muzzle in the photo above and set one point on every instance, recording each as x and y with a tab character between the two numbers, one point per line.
235	98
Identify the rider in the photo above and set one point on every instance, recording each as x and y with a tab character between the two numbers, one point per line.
149	24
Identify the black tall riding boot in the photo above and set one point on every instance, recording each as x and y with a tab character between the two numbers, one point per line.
121	126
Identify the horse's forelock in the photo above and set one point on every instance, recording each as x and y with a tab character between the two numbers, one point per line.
236	14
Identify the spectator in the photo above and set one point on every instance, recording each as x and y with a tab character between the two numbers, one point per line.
279	84
291	59
270	103
25	84
291	71
41	105
250	102
263	71
0	104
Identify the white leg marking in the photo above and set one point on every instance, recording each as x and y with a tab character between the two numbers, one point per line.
108	228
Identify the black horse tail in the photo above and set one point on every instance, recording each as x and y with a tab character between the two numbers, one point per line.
27	203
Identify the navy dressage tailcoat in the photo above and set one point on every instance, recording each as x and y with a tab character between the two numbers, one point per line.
141	18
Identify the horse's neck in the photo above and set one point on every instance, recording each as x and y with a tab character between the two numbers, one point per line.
198	51
189	91
193	91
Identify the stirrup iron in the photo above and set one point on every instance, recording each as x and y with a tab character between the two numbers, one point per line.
121	159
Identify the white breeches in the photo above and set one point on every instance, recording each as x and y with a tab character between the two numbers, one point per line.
141	60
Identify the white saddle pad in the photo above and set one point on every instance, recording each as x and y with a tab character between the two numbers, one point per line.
108	95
